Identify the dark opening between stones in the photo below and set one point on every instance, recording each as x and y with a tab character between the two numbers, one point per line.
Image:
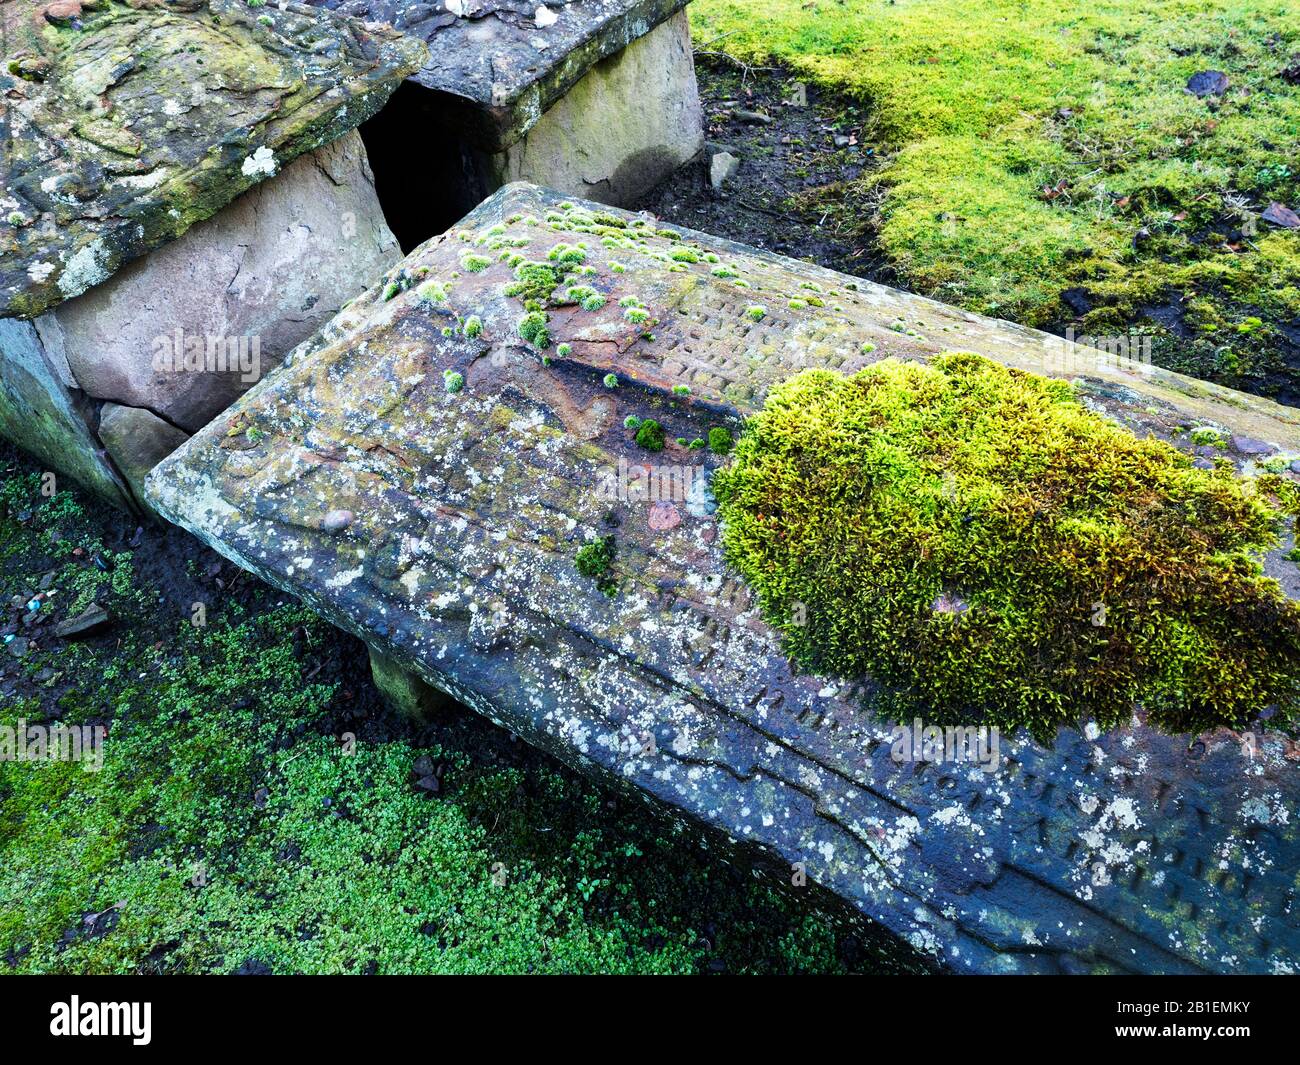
426	177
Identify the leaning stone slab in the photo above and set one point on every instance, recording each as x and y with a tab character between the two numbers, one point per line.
424	476
593	97
126	125
43	411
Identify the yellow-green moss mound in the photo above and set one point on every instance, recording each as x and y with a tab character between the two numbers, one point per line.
979	541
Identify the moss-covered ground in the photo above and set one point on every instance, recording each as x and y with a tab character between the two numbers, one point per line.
1044	162
259	810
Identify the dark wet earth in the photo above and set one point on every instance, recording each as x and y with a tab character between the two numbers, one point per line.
809	140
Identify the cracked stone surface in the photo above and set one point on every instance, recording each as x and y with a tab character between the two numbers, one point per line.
498	65
424	477
127	122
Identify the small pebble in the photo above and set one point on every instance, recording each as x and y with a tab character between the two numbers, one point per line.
664	516
1250	446
337	520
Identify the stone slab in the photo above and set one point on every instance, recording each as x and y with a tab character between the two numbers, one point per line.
632	120
426	486
38	408
137	440
498	65
126	123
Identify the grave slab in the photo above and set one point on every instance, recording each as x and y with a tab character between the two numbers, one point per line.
424	471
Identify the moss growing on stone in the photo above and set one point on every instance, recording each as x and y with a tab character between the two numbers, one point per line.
567	253
473	326
756	313
533	281
453	381
564	350
594	560
611	380
720	441
586	297
532	327
650	435
475	263
988	548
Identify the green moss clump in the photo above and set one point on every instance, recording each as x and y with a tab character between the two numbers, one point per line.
533	281
567	253
473	326
586	296
989	549
650	435
564	350
594	560
453	381
432	294
532	327
720	441
611	380
475	263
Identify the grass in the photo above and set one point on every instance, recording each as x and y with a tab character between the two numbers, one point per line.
1033	147
978	539
257	808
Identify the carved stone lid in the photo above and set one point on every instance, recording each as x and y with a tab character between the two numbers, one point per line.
123	124
425	471
498	65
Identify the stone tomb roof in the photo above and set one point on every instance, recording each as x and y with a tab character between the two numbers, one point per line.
123	124
498	65
423	476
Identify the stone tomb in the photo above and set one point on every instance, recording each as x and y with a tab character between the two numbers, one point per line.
125	127
595	98
423	476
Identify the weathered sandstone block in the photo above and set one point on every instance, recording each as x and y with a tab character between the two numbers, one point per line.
127	126
447	470
596	98
136	441
188	328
